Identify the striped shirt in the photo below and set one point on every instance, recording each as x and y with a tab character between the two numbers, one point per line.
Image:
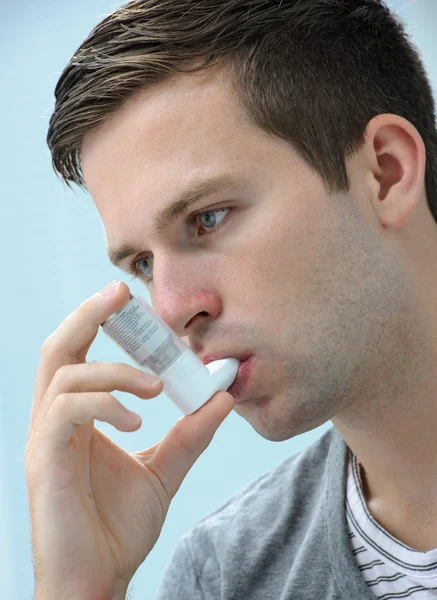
390	568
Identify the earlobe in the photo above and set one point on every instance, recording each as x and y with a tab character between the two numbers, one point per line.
398	167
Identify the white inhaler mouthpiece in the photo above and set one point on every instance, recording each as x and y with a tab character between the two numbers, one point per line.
139	332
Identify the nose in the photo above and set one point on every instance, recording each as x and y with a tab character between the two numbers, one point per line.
184	297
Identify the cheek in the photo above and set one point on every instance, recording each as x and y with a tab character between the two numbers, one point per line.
258	268
284	247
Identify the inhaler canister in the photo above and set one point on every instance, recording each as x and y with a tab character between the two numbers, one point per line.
139	332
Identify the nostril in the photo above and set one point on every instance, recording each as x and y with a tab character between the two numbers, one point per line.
200	314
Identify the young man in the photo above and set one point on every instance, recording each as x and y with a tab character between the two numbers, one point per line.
306	129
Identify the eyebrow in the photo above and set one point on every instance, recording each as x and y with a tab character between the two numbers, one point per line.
198	191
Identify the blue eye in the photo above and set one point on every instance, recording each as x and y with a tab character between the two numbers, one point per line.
212	222
137	270
147	259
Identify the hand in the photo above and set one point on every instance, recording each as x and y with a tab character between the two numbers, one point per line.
97	511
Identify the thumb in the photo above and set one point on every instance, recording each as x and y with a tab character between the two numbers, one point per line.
188	439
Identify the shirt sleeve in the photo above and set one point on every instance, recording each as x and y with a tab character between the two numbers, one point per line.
180	580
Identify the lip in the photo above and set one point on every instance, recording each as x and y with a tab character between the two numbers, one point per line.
247	361
241	357
241	380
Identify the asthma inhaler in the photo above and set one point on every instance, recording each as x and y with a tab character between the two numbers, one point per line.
139	332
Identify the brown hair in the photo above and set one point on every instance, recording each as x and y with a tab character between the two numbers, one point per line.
313	72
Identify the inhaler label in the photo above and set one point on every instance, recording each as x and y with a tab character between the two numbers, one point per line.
149	344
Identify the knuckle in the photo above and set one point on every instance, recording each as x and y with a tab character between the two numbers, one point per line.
125	369
62	400
30	464
48	345
184	442
83	306
62	375
106	400
28	461
27	454
28	469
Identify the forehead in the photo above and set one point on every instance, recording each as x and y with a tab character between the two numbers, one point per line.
164	136
186	129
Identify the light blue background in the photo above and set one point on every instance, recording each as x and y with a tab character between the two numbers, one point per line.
53	257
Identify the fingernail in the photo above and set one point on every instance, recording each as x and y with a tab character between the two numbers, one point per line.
151	379
110	289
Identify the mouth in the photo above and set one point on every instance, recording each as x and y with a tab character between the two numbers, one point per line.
241	380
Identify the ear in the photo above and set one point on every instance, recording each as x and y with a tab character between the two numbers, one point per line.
397	159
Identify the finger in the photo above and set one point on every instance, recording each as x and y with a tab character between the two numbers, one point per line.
104	377
69	411
70	342
97	377
185	442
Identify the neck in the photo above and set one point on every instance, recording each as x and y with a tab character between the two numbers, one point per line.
391	429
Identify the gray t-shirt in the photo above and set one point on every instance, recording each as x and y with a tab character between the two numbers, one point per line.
283	537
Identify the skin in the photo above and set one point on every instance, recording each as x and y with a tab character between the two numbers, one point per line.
334	294
96	511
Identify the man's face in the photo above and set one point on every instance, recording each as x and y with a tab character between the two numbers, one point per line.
295	276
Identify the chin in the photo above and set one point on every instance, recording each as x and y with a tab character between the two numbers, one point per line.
260	419
272	422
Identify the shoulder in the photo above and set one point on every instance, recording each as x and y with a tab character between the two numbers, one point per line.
290	489
258	531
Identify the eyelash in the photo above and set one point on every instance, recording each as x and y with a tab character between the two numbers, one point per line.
136	273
